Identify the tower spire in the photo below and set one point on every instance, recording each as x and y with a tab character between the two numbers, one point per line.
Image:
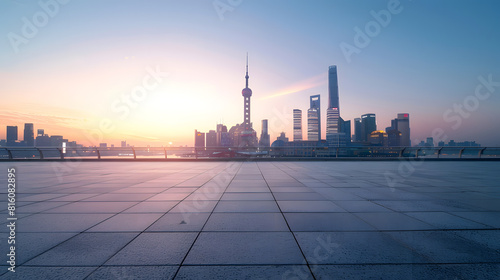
246	76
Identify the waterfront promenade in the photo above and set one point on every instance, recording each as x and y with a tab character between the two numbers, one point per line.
254	220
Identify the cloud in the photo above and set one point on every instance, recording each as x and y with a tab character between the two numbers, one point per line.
299	87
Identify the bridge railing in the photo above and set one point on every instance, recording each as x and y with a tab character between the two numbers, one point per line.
45	153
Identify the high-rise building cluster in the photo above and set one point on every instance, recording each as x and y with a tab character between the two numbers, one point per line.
29	139
338	130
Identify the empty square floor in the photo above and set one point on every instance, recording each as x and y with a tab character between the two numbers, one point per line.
253	220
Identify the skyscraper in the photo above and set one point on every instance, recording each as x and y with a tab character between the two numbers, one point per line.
29	137
211	138
333	88
368	125
265	139
335	134
403	125
11	135
357	130
314	119
199	139
297	125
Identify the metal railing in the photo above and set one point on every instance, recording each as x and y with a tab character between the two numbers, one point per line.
47	153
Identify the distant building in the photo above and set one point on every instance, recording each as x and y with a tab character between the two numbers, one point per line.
220	130
402	124
40	132
378	138
358	137
429	142
211	138
345	127
393	137
199	139
297	125
103	145
29	138
314	119
56	141
368	125
11	135
265	140
282	137
123	144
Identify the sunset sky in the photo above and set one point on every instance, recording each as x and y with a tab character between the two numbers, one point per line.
70	68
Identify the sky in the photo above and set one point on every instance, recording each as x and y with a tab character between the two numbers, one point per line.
151	72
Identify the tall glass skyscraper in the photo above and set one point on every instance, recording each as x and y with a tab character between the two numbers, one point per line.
333	88
368	125
11	135
297	125
29	135
314	119
357	130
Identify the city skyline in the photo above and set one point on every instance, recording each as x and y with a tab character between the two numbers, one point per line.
68	76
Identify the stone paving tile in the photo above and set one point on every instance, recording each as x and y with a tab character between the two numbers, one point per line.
384	271
393	221
326	222
444	220
52	272
134	272
126	222
59	222
246	206
31	244
92	207
254	248
445	247
309	206
246	222
180	222
155	248
89	249
273	272
152	207
354	248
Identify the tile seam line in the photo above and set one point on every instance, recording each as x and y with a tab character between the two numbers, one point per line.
208	218
284	218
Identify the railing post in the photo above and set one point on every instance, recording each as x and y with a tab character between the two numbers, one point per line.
481	152
61	152
439	152
165	150
133	151
98	153
337	153
416	152
40	152
9	152
402	152
461	151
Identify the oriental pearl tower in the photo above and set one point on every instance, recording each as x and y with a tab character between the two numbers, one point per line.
248	135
